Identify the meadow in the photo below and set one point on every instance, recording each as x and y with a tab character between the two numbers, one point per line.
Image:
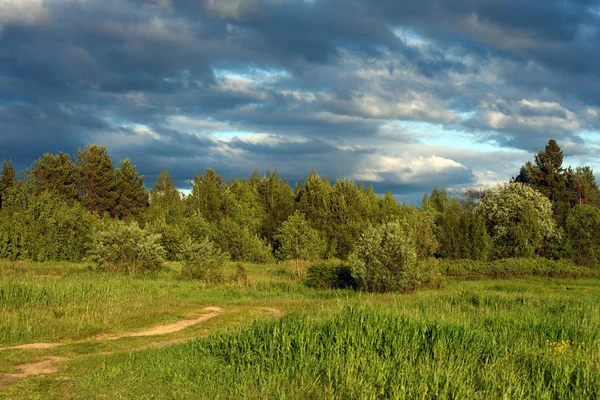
274	337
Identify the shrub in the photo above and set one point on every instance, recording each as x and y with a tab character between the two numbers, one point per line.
203	260
330	274
387	257
121	246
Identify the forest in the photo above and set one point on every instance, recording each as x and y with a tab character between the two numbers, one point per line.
83	208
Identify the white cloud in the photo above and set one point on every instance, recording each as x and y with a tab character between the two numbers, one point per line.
527	114
24	12
404	170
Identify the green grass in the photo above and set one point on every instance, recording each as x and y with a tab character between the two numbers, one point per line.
525	338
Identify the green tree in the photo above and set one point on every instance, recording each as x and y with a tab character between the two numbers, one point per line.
96	180
207	196
447	214
277	200
166	204
54	230
582	186
132	197
240	243
299	241
386	258
518	218
547	175
346	220
475	241
247	209
313	200
57	174
7	180
582	228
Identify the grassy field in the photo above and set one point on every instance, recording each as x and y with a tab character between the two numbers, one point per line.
275	338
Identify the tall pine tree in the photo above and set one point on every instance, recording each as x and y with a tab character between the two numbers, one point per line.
132	197
96	179
55	173
547	175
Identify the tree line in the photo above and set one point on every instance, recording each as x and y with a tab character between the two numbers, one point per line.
62	207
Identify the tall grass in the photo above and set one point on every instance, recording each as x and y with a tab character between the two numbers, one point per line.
475	340
76	303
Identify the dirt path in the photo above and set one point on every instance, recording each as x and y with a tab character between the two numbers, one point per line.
33	346
46	365
165	329
49	365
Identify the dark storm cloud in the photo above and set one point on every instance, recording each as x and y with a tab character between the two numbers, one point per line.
316	82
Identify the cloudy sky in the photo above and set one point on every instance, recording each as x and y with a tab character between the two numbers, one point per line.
406	95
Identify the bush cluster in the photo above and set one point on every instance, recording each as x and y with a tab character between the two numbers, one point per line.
125	247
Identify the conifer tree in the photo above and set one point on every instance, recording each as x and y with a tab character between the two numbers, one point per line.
96	179
207	196
547	175
132	197
55	173
166	204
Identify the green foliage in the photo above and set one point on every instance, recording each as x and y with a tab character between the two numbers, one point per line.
387	258
277	200
166	204
421	227
583	234
55	230
512	267
547	175
346	219
7	179
313	200
475	241
56	174
207	197
47	229
247	209
132	197
299	241
330	274
124	246
518	218
97	181
203	260
240	243
583	186
171	238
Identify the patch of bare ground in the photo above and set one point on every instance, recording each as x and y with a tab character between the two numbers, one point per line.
46	365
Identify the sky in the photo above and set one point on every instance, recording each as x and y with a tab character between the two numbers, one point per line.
404	95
